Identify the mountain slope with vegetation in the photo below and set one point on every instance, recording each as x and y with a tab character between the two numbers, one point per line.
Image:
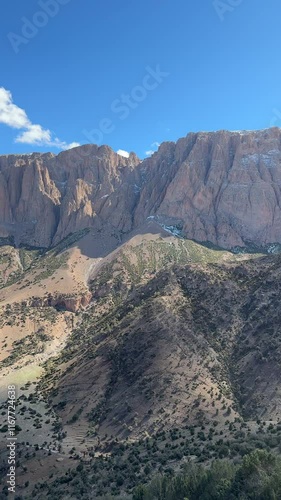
162	353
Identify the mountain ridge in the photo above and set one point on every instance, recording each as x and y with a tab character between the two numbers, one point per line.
219	187
222	187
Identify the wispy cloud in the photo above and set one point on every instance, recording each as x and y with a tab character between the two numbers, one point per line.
121	152
15	117
154	146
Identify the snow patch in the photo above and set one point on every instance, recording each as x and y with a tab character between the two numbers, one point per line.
274	248
268	159
169	228
172	230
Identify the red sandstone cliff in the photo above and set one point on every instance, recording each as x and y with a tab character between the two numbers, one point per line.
222	187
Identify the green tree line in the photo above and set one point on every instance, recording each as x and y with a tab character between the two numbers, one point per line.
258	477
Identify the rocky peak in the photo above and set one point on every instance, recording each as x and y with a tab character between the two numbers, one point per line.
222	187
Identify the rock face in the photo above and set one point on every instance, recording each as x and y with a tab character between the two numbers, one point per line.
222	187
44	197
62	302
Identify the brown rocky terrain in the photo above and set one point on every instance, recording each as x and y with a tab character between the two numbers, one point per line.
132	347
175	343
222	187
157	351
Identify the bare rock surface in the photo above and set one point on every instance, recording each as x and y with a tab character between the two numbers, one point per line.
222	187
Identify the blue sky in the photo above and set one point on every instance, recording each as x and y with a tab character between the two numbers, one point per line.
133	74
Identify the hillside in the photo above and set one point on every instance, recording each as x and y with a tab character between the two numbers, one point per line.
159	341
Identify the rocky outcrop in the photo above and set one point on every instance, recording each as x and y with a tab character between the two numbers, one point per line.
62	302
222	187
45	197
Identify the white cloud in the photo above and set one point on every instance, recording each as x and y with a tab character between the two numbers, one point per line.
121	152
70	146
34	134
15	117
154	146
10	114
